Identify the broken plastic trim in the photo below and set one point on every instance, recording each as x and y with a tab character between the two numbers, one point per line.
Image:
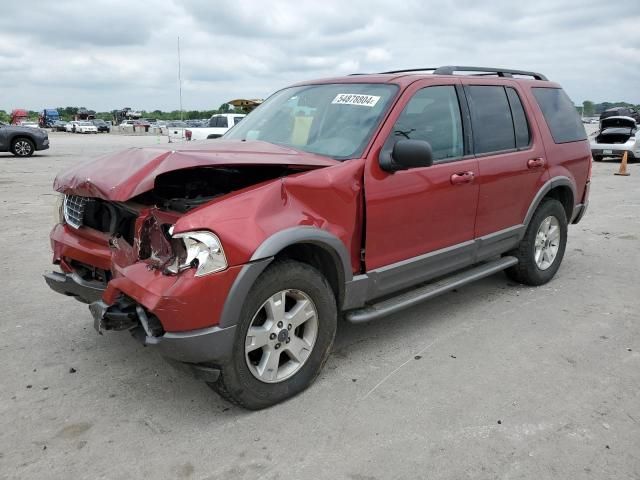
198	249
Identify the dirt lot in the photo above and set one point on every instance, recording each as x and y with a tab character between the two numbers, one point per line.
492	381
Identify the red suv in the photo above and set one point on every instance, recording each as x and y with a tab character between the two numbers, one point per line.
355	196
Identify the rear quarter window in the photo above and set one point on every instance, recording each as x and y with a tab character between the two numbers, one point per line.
560	114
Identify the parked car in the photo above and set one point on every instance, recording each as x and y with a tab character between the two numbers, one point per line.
219	124
175	130
616	136
357	196
83	126
126	123
22	141
30	124
59	126
101	125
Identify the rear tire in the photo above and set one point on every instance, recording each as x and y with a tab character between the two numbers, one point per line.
22	147
597	158
299	346
541	250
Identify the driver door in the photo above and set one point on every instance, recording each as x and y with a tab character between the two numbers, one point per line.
420	222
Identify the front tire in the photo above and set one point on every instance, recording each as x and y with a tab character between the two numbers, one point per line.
541	250
22	147
286	330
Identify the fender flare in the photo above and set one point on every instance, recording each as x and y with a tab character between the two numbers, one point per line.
265	254
559	181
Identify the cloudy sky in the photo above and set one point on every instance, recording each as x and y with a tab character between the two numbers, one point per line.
110	54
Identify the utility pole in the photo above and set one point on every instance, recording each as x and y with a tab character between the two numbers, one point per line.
179	78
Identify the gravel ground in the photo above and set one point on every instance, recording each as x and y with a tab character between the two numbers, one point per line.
495	380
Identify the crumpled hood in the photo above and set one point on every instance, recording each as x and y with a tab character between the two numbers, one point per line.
123	175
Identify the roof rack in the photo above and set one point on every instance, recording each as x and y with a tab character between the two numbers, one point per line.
450	70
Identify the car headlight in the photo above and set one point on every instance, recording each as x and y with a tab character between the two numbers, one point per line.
200	250
58	209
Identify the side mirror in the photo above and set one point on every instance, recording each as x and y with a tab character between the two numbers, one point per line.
407	154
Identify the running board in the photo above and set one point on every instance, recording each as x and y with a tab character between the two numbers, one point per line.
413	297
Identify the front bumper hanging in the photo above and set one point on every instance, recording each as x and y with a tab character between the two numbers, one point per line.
73	285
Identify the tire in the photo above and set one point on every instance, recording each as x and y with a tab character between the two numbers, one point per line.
532	271
22	147
597	158
240	381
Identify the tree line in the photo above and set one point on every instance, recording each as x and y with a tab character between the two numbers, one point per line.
591	109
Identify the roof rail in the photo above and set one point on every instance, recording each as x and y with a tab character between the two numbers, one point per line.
450	70
408	70
501	72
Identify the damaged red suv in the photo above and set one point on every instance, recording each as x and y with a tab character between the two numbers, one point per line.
350	197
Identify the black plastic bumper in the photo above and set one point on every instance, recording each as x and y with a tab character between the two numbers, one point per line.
42	144
72	285
199	351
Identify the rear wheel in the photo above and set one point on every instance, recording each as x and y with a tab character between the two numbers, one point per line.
22	147
597	158
286	330
541	250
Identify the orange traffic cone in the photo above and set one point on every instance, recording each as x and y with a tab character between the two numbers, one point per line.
623	167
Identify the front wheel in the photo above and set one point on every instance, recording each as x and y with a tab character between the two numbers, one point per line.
22	147
541	250
284	336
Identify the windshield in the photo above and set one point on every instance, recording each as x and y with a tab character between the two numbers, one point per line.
335	120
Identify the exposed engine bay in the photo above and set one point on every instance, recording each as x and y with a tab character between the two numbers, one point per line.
138	229
182	190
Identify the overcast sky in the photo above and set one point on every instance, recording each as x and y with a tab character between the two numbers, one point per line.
110	54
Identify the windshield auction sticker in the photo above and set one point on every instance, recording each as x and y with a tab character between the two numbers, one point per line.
355	99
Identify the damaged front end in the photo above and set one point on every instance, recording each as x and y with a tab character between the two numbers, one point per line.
115	244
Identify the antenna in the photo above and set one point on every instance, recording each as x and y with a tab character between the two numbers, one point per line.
179	78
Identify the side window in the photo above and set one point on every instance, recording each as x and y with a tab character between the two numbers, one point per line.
236	120
520	124
490	119
222	122
432	114
560	114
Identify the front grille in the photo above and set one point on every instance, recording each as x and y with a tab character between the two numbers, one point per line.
74	209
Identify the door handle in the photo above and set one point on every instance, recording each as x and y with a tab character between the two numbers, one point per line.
463	177
535	162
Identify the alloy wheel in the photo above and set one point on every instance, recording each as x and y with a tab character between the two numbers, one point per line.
281	336
22	148
547	242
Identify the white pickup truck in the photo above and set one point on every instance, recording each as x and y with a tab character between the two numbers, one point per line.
218	126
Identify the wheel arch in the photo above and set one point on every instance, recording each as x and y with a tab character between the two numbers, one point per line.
313	246
559	188
19	135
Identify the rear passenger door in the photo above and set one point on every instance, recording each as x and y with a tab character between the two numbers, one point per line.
511	160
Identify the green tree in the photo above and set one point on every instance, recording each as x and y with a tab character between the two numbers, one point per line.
588	108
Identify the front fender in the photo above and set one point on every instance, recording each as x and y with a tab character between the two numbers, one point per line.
264	255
